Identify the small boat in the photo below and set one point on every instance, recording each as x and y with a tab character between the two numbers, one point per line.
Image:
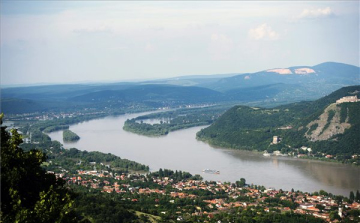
211	171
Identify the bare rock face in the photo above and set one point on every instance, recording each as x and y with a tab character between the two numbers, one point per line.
327	127
304	70
280	71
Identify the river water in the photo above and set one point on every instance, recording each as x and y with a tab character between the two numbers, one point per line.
181	151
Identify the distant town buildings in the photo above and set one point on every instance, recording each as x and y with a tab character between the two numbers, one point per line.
347	99
304	148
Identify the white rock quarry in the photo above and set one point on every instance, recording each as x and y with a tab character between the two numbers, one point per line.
304	71
282	71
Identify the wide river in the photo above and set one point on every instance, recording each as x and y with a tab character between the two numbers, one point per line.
181	151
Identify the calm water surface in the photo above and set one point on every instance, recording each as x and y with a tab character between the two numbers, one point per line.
181	151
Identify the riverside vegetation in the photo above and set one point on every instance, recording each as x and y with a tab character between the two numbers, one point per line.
174	120
70	136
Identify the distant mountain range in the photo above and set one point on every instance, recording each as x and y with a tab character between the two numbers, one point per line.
296	83
326	73
269	88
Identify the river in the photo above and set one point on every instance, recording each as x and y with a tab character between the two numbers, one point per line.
181	151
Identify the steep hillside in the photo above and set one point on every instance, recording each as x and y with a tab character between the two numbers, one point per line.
323	125
328	124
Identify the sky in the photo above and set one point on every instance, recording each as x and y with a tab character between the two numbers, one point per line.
108	41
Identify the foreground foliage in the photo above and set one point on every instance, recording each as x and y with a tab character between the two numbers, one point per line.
28	194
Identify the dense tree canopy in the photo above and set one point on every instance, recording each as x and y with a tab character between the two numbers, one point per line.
28	193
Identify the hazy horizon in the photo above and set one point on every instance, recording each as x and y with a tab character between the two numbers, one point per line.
66	42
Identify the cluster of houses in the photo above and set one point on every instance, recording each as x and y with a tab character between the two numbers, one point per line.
303	151
318	206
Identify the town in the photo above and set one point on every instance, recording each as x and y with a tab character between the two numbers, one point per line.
168	191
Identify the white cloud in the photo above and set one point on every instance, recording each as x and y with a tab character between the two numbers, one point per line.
316	13
112	37
263	32
220	47
87	30
150	47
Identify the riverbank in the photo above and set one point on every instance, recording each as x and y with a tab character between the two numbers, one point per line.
294	154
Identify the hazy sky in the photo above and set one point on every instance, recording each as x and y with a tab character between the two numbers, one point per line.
64	41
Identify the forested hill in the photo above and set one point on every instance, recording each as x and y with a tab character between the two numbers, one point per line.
323	125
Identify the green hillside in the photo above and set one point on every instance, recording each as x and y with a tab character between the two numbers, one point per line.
322	125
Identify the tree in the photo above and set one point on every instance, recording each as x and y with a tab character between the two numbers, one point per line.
28	193
352	196
320	207
338	199
241	183
161	173
334	215
357	197
324	193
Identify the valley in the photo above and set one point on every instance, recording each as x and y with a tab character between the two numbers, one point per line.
253	134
